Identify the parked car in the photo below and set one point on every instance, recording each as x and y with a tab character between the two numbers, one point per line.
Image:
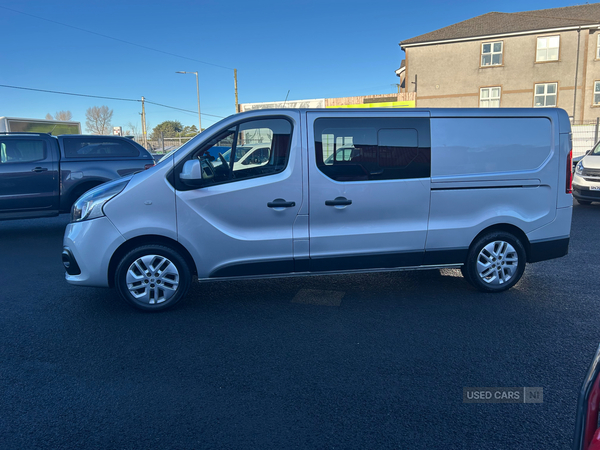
586	179
42	175
587	429
481	190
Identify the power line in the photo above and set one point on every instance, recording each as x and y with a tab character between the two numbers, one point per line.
180	109
104	97
114	38
69	93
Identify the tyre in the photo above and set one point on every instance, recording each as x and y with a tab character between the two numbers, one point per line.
495	262
583	202
152	277
465	273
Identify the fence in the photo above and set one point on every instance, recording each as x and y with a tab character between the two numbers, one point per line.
164	145
585	135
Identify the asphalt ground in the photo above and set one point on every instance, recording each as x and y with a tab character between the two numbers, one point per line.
356	361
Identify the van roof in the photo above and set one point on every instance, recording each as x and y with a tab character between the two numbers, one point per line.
551	113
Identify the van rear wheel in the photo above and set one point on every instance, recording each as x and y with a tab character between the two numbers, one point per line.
495	262
152	277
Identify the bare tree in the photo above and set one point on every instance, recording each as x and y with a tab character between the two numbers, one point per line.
97	120
49	117
133	130
63	116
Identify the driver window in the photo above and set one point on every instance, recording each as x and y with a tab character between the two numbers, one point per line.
259	147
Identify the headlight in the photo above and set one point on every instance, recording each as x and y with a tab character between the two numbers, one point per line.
90	204
579	168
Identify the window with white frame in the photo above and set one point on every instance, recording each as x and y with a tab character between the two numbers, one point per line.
598	48
547	48
545	94
489	97
491	53
597	93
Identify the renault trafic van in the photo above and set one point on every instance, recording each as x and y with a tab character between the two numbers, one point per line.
484	190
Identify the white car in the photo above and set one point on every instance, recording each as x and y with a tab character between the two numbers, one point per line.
586	179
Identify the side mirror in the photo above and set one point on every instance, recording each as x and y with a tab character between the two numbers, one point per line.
194	175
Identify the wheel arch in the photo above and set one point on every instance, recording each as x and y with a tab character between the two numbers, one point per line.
138	241
508	228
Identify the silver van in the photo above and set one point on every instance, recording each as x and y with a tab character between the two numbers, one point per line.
484	190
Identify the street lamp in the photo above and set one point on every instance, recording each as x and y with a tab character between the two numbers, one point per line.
198	92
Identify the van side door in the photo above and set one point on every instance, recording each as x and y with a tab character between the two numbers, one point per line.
28	176
369	189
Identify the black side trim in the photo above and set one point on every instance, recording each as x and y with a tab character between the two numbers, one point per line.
550	249
450	256
302	265
382	261
254	268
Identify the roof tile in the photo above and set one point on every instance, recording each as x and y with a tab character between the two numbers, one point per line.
498	23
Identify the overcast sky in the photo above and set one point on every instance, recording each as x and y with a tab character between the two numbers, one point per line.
314	49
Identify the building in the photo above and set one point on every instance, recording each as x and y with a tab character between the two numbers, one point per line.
396	100
541	58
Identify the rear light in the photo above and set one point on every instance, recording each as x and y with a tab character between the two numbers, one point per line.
569	187
149	166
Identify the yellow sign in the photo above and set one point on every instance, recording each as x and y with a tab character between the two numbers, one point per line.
404	104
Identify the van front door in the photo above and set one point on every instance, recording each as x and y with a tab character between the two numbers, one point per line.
240	222
369	189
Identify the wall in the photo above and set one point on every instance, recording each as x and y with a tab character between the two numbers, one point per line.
450	75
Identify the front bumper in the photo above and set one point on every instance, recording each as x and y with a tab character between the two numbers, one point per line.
584	193
90	244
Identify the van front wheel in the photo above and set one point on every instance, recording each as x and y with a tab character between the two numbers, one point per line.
152	277
495	262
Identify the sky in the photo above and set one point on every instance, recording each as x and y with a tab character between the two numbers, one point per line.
313	49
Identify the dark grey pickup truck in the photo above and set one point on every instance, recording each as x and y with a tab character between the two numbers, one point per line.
42	175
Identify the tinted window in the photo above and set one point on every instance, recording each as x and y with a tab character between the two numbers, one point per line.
353	149
261	147
12	151
99	148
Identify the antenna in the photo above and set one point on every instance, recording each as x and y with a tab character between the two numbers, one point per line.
286	97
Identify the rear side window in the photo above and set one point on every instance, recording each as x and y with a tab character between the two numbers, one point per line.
477	145
359	149
99	148
15	151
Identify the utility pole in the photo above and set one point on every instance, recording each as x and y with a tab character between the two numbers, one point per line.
236	95
144	124
198	94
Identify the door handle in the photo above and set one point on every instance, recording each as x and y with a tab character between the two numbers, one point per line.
281	203
338	201
39	169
